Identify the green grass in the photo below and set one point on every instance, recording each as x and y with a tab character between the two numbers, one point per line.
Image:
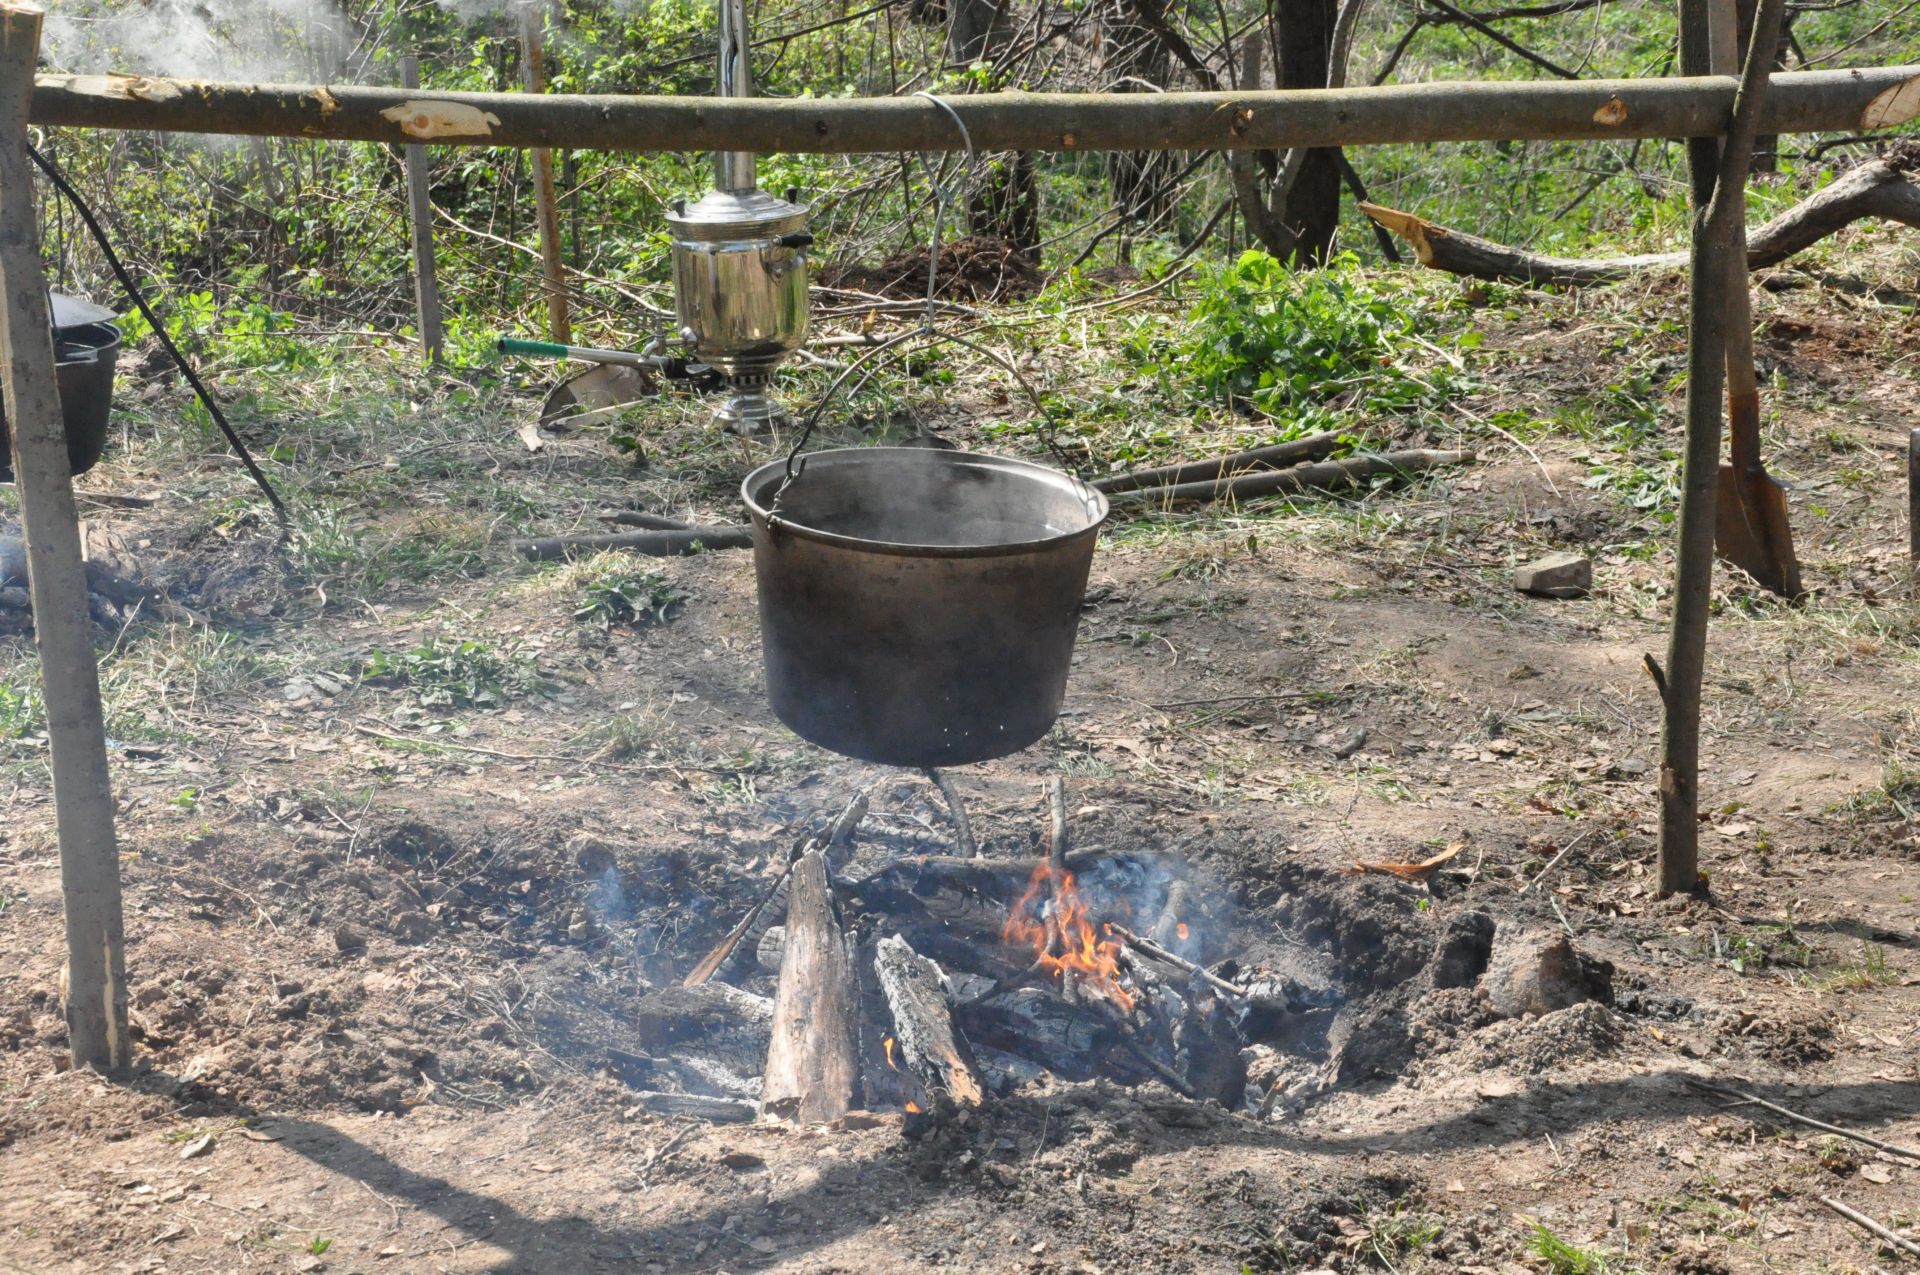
456	673
1563	1258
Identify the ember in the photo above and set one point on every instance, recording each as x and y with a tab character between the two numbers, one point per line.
1052	920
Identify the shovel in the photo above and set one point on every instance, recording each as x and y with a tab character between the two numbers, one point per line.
1750	525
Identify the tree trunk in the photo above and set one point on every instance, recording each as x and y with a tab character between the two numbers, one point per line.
1311	209
1006	203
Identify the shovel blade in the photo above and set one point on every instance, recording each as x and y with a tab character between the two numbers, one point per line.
1751	530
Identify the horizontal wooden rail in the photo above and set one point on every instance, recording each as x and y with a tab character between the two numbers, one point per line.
1808	101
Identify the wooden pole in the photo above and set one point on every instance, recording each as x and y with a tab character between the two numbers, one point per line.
1805	101
96	992
426	282
1717	243
533	69
1913	496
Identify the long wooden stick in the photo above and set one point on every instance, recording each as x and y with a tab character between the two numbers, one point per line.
1292	452
1806	101
1839	1131
426	282
96	981
1716	241
1886	1233
657	544
533	68
1326	475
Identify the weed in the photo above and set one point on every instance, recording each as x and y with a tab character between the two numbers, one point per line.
455	674
629	598
1768	947
1868	971
1293	344
1563	1258
317	1245
1392	1237
1895	797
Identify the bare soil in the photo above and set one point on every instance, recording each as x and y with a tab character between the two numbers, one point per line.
387	954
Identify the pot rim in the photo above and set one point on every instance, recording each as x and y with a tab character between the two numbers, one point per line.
764	519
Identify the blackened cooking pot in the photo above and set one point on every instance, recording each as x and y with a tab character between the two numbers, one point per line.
918	607
85	355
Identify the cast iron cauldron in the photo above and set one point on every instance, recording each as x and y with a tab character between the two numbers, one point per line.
918	607
86	349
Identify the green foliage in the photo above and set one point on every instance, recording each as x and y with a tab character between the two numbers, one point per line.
636	598
1304	347
460	673
21	712
1563	1258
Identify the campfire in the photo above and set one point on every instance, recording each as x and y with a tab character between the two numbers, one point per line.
936	982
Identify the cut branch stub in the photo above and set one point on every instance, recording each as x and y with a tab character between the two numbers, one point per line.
810	1063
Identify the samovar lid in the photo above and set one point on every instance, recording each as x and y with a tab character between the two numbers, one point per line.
737	214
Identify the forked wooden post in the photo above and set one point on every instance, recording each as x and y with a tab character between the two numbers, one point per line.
96	998
533	63
426	282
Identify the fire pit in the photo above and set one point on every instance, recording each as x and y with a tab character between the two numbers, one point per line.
935	982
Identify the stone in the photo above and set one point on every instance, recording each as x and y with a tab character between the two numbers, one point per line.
1557	575
1539	971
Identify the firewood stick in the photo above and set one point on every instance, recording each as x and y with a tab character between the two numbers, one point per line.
745	937
963	842
1326	475
1153	950
1280	455
655	544
811	1063
1887	1234
1167	928
923	1025
1747	1099
1057	826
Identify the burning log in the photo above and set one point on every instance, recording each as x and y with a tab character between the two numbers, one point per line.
916	992
811	1066
1170	929
1034	1023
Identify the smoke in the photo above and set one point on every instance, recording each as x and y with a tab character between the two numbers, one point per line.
290	41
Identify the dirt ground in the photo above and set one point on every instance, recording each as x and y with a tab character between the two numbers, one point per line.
384	952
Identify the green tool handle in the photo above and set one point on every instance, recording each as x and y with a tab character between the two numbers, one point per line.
553	350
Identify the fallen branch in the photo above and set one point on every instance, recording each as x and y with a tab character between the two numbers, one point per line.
1887	1234
1747	1099
657	544
1325	476
1147	947
1875	189
718	1110
1278	456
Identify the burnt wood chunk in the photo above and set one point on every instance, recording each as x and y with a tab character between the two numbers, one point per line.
810	1063
924	1034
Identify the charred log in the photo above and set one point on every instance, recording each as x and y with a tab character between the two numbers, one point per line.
811	1066
929	1046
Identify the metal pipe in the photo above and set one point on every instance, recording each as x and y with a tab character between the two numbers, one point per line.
733	170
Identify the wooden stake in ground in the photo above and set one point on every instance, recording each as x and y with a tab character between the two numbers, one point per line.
533	67
1913	496
426	282
1716	238
811	1061
96	995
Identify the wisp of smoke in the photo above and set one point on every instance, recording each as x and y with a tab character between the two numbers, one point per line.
262	40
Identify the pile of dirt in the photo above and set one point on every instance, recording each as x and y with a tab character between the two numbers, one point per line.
976	268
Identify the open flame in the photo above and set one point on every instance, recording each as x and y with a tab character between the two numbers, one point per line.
1181	930
1051	919
887	1044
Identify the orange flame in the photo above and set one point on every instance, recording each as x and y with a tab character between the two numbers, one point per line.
888	1045
1051	919
1181	930
912	1107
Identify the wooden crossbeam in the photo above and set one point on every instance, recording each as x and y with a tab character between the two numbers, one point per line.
1807	101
